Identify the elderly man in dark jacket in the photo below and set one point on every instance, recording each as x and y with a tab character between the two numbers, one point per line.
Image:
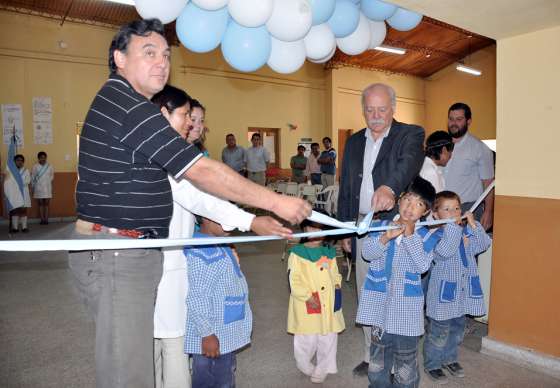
379	162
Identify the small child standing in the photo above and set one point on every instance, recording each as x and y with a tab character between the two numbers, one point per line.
41	184
315	308
454	289
219	317
392	300
16	190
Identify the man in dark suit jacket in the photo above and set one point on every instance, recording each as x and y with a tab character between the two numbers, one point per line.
379	162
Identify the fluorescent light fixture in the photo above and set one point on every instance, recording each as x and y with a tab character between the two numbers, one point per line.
392	50
127	2
467	69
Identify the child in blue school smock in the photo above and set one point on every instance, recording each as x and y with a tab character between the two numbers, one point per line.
392	300
219	317
454	289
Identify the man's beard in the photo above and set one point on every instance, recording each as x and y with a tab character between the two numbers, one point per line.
460	131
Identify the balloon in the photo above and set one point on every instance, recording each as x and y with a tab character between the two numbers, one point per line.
286	57
404	20
319	42
345	18
199	30
250	13
378	10
321	10
377	30
244	48
326	58
290	20
210	5
358	41
150	9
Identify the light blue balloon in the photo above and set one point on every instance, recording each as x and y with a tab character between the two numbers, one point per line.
200	30
322	10
345	18
404	20
378	10
245	48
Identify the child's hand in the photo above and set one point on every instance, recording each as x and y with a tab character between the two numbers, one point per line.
211	346
391	234
470	220
314	302
265	226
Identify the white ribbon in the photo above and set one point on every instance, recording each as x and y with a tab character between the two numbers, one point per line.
342	228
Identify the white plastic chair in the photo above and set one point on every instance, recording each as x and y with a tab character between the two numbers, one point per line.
309	192
300	189
281	187
324	199
292	189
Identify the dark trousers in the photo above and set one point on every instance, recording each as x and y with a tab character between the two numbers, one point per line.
119	287
442	341
395	350
214	372
316	179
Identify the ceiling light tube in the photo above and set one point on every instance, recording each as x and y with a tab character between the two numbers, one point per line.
127	2
392	50
467	69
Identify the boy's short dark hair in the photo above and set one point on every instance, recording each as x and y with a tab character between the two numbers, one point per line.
423	189
314	145
19	156
300	147
445	194
41	153
327	138
256	134
435	143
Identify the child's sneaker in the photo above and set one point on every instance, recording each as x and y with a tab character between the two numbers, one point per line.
438	376
455	369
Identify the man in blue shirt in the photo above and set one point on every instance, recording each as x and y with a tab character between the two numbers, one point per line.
327	161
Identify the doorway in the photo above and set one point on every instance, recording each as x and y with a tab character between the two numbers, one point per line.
270	138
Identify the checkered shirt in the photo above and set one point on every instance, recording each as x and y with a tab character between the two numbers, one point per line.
217	301
454	289
396	304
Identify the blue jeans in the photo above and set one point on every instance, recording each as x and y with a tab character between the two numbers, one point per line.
442	341
316	179
394	350
214	372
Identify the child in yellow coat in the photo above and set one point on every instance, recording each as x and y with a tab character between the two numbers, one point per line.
315	309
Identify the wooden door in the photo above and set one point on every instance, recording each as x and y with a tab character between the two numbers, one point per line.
343	135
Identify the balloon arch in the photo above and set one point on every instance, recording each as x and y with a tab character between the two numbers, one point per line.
279	33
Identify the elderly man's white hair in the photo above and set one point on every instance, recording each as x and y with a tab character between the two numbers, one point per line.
385	87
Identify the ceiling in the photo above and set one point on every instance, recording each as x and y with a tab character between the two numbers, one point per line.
496	19
431	46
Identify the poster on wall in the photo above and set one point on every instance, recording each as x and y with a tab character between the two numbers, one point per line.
42	120
12	120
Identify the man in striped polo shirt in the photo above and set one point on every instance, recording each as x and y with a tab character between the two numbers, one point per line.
127	149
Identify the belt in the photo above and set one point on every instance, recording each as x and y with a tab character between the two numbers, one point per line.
89	228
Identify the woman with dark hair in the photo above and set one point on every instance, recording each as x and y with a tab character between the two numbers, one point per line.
197	134
171	364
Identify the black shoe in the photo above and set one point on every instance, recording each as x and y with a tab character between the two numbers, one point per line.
438	376
14	231
361	369
455	369
25	230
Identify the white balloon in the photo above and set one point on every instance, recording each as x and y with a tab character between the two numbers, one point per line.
286	57
210	5
358	41
324	59
290	20
378	30
319	42
150	9
250	13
